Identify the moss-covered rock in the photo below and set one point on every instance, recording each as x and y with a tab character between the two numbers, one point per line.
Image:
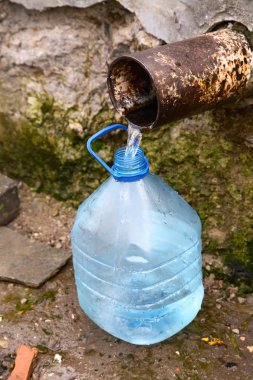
208	160
46	149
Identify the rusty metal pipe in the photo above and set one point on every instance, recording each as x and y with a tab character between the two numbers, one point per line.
160	85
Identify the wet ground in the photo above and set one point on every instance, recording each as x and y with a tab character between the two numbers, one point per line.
72	347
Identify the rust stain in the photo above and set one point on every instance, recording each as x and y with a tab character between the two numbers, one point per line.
173	81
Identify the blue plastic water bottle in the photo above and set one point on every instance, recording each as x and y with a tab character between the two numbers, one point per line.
137	253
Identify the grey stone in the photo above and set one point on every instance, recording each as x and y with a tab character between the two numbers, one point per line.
28	262
62	54
170	20
174	20
9	200
44	4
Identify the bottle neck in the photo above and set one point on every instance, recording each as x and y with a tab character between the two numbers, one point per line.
129	169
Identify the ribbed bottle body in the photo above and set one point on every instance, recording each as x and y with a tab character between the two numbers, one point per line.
137	259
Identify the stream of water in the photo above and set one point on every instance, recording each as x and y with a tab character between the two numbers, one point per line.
133	139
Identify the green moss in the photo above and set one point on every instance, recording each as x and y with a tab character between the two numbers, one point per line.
50	295
134	368
211	245
45	152
31	299
46	331
10	297
209	165
239	247
42	348
28	305
235	345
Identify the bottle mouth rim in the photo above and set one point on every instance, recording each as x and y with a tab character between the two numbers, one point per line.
128	168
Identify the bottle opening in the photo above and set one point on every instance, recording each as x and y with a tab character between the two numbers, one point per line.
132	92
128	168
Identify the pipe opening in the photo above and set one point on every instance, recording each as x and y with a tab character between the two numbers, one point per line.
132	92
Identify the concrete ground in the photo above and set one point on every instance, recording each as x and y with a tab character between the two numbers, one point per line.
73	347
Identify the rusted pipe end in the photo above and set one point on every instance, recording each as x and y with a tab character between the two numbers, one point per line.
132	91
169	82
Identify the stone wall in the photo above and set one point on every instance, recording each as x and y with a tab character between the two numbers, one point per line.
169	20
63	53
53	72
49	49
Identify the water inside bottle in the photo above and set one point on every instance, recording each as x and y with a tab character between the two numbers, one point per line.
137	257
133	139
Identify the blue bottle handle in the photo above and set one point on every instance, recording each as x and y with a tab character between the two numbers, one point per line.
99	134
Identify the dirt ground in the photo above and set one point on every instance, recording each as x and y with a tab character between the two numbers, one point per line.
73	347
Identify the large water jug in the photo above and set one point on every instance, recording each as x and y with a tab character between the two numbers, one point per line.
137	253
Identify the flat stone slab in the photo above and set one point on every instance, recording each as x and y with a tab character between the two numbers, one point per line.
9	200
28	262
